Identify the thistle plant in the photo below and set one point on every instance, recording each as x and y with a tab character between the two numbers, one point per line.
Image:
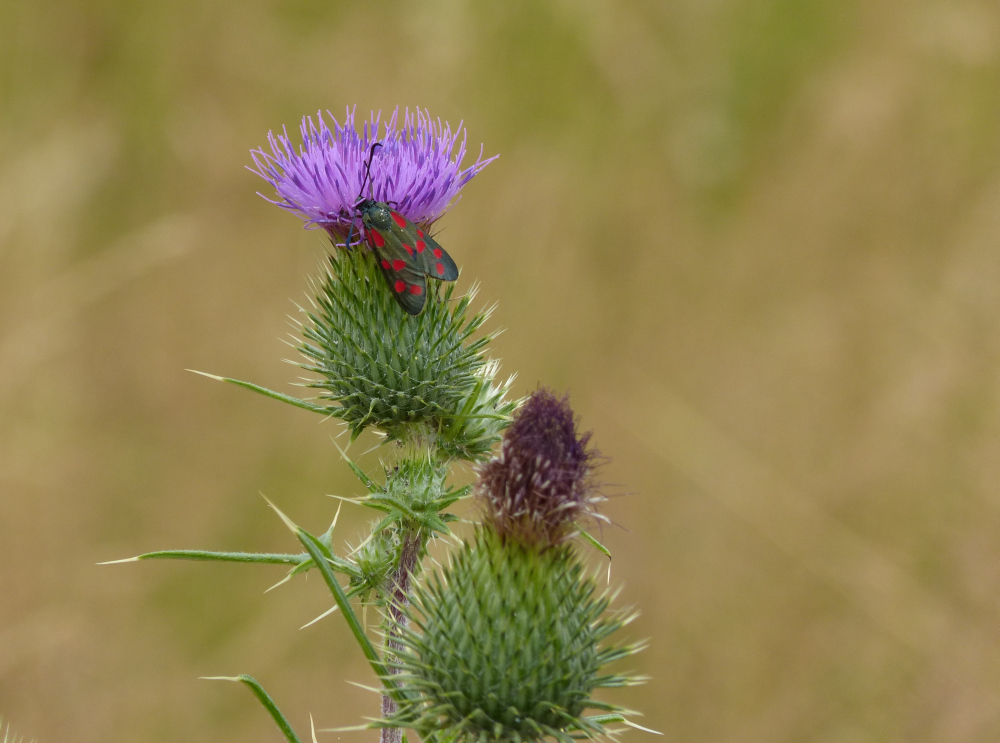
508	640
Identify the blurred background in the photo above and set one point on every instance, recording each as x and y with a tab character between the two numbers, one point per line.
755	240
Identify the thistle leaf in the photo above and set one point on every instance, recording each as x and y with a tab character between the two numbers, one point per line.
587	537
305	404
321	556
267	558
265	700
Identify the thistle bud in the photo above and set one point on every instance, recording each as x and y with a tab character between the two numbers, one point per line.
540	486
504	646
403	375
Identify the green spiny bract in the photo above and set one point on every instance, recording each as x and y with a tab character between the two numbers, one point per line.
375	559
506	646
414	495
483	415
407	376
413	498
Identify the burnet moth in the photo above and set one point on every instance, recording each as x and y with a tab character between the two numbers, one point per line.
406	255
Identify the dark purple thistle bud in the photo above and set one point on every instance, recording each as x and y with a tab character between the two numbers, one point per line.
540	487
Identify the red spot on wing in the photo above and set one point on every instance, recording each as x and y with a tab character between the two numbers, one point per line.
440	269
421	246
416	289
385	265
420	234
399	286
408	249
398	219
398	265
377	240
438	252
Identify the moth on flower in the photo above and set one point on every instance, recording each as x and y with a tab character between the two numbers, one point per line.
406	254
414	179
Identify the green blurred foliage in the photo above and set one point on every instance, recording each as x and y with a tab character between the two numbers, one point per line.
762	238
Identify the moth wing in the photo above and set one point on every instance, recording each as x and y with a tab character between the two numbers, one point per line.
432	259
404	277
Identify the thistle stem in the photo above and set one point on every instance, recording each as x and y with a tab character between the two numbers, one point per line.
398	593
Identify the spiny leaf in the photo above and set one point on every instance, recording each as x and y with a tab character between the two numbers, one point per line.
305	404
267	558
265	700
321	555
595	544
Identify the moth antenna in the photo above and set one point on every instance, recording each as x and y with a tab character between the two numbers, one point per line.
361	192
368	169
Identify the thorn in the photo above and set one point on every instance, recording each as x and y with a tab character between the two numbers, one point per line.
116	562
640	727
366	541
326	613
206	374
355	501
343	452
312	725
280	583
374	447
366	688
288	522
337	516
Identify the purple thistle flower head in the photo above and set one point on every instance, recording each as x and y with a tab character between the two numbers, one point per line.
540	487
417	168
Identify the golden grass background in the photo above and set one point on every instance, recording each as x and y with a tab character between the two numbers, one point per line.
758	241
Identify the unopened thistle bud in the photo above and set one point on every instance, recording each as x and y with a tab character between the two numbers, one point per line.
400	376
540	486
507	645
